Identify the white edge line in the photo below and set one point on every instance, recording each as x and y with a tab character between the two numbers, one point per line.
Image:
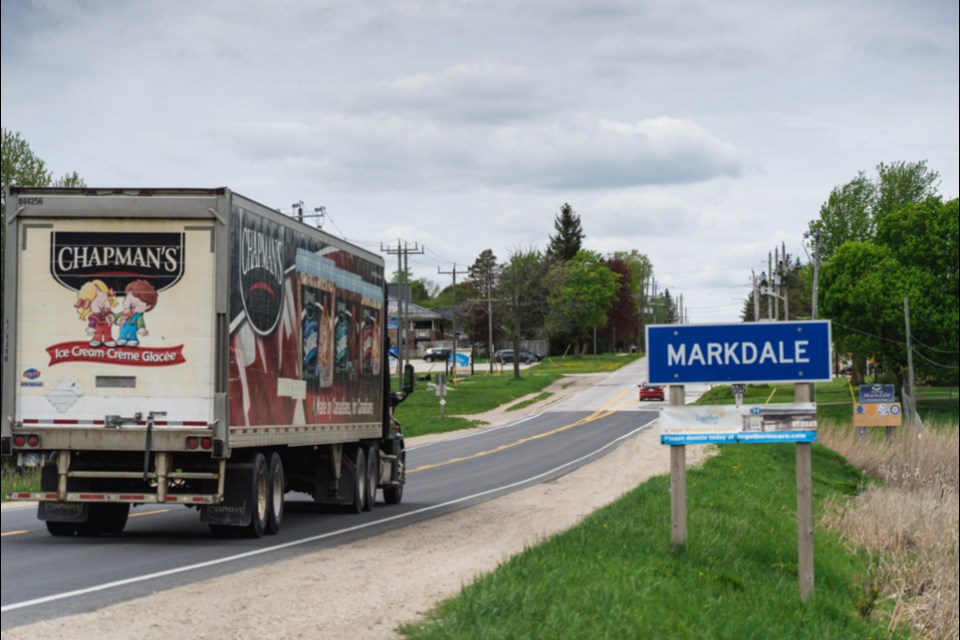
322	536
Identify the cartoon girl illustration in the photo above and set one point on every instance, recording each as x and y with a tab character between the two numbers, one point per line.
139	297
95	301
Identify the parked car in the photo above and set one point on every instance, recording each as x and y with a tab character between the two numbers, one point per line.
437	354
651	392
505	356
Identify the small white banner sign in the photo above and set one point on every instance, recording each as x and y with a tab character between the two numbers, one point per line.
729	424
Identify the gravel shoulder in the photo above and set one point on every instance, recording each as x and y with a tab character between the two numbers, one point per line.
322	595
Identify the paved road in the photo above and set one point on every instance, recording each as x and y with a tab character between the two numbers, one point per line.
161	548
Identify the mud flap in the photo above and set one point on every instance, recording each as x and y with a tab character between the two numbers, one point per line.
54	511
78	512
236	510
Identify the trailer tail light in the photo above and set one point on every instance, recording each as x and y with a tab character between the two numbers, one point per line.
26	441
194	443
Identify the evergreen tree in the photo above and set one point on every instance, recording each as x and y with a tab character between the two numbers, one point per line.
569	237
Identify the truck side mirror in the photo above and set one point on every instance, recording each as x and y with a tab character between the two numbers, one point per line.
408	383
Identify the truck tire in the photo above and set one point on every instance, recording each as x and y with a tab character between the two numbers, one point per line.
259	498
393	494
112	517
275	484
359	482
61	529
373	478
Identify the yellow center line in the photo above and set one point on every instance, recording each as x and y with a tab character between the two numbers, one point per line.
149	513
771	396
602	412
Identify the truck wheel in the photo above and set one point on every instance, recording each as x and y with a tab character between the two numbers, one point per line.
60	529
259	498
112	517
359	482
373	478
393	494
275	481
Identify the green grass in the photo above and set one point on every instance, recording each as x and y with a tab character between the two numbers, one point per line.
17	479
616	576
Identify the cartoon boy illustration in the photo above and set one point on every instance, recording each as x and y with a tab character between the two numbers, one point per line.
95	301
139	297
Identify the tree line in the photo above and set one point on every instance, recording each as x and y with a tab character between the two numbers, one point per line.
577	300
887	246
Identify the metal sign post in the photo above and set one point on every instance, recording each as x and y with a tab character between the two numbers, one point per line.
797	352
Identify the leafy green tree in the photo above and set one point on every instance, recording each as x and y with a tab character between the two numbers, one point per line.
581	292
900	183
852	210
923	237
20	165
524	296
863	287
846	215
565	244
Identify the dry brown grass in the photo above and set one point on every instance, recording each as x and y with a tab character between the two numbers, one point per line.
908	525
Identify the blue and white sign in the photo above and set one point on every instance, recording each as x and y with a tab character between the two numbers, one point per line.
877	393
746	352
463	359
729	424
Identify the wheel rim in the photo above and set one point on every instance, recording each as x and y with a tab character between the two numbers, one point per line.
277	492
361	478
262	494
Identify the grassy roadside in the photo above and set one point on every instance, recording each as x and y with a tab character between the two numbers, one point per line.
615	576
885	550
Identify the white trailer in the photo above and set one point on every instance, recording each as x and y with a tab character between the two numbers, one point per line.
194	347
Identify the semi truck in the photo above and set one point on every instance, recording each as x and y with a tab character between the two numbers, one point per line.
192	347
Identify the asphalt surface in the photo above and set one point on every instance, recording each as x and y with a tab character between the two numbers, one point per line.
45	577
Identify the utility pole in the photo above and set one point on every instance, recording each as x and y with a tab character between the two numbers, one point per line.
454	274
756	297
784	271
402	251
816	272
912	415
769	285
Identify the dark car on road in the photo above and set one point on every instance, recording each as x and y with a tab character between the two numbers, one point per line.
505	356
437	354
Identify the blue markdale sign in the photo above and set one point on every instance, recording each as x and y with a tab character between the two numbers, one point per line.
746	352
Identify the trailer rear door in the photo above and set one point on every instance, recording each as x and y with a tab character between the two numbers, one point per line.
115	317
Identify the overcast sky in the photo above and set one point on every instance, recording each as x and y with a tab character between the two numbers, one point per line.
700	133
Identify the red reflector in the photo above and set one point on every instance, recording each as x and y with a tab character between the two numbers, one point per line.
206	443
192	443
33	440
20	441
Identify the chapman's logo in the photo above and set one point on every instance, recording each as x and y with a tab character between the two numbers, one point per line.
262	265
116	259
